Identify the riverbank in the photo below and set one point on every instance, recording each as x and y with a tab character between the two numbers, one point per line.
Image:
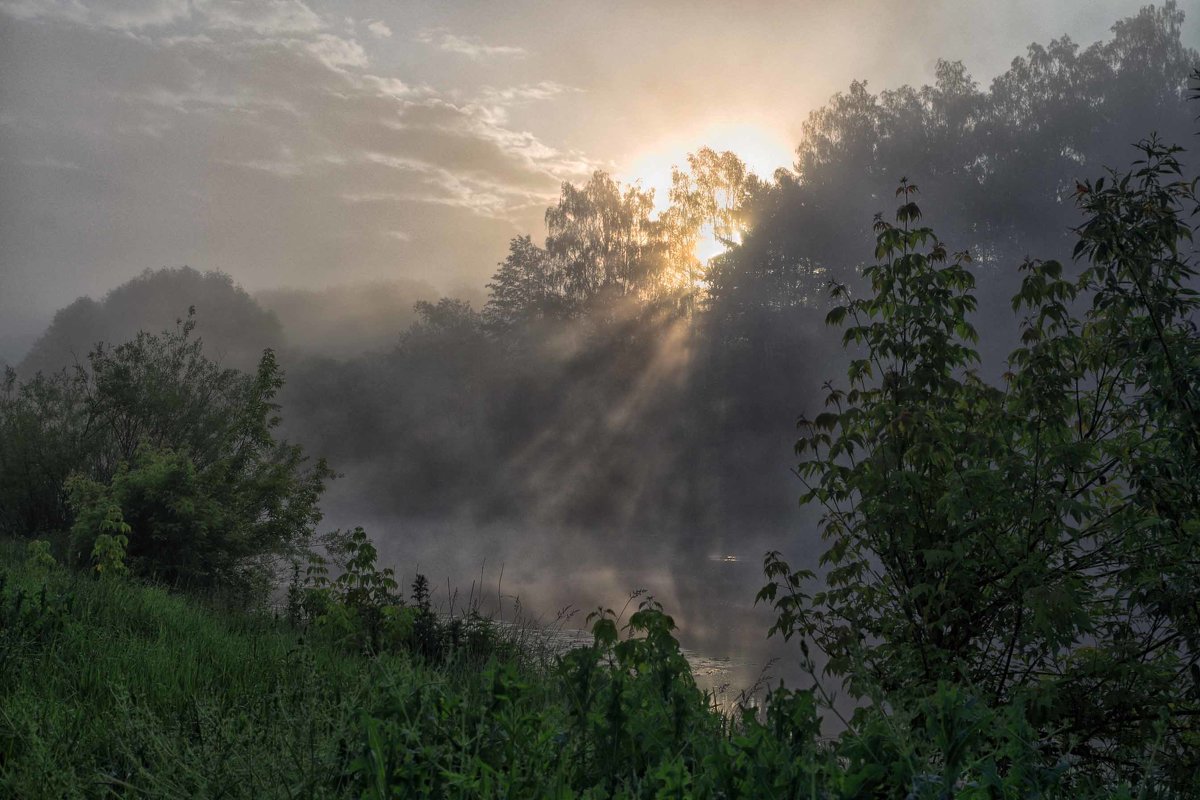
111	687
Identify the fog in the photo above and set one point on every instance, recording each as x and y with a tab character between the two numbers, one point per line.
607	411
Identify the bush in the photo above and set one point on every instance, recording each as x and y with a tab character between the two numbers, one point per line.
170	451
1037	543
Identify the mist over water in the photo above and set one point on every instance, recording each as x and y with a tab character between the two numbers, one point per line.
555	577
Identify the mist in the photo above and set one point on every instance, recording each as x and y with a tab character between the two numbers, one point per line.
520	368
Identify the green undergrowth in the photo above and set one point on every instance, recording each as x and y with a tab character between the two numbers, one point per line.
110	687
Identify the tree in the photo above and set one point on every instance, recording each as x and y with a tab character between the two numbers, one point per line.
707	200
1000	160
236	328
604	242
1038	543
182	448
45	435
713	191
522	288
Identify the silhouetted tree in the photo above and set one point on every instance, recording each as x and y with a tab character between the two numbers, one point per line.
522	289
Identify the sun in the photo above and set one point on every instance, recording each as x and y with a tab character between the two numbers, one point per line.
708	246
762	149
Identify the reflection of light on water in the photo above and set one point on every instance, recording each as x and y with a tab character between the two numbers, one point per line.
710	672
708	589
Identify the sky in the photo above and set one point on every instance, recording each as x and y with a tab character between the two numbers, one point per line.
310	144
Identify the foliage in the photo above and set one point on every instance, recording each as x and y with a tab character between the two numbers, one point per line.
1038	542
110	687
603	242
1012	571
353	608
38	558
521	291
98	521
999	161
108	554
606	249
173	452
362	610
44	427
623	718
533	414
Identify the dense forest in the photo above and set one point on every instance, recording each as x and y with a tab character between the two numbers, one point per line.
995	565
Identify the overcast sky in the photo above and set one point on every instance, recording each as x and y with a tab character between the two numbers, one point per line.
312	143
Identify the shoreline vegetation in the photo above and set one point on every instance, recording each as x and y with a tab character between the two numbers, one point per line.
113	687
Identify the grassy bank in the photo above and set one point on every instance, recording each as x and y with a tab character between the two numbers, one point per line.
110	687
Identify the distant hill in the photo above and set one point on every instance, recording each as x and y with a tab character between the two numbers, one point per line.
234	327
337	321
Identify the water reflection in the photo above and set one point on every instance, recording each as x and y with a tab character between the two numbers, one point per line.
554	580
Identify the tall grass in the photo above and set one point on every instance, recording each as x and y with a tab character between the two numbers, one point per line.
136	691
111	688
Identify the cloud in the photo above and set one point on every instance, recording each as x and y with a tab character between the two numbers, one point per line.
263	17
525	93
379	29
127	15
262	139
470	189
469	46
494	104
334	51
284	167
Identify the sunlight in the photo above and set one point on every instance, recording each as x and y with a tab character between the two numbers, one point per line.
708	246
762	149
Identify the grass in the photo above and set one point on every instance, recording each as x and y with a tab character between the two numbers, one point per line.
111	687
131	690
114	688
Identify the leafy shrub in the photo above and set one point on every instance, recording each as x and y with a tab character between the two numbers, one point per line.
362	609
167	449
1036	543
108	553
38	558
99	526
